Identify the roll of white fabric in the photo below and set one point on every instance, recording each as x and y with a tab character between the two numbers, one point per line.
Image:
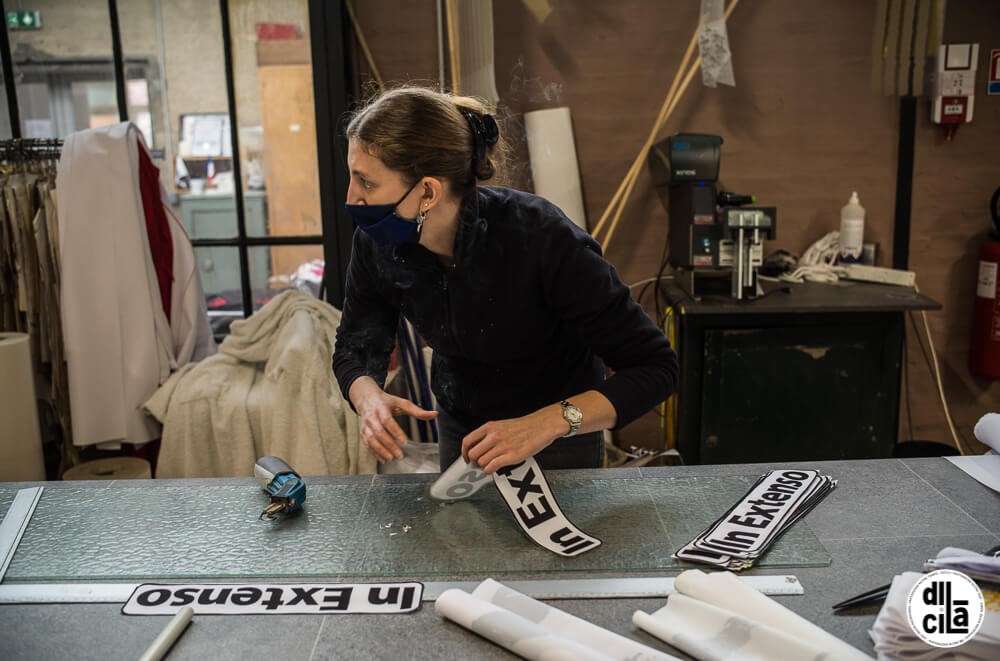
554	168
724	590
20	441
509	630
710	633
988	430
565	625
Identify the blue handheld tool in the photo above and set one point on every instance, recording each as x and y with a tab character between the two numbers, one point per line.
286	488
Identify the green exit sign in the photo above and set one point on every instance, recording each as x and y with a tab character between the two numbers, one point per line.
24	20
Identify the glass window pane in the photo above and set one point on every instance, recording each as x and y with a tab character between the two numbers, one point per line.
64	71
181	42
272	69
219	269
5	131
274	269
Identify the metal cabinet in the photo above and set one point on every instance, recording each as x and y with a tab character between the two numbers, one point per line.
213	216
811	373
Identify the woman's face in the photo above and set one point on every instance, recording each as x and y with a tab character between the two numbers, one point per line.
373	183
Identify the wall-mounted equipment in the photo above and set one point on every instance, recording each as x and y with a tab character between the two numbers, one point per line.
953	86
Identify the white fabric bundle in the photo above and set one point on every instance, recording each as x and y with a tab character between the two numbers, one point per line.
711	633
987	430
975	565
535	630
741	606
894	637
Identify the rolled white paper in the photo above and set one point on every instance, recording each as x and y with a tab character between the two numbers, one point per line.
707	632
724	590
20	440
175	627
554	168
565	625
509	630
987	430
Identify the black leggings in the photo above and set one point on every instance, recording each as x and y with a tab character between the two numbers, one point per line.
583	451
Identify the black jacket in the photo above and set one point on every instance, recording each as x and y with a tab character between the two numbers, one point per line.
522	319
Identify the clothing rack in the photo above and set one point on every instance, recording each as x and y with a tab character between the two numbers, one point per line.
19	150
30	282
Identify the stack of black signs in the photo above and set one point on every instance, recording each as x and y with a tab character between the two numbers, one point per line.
776	501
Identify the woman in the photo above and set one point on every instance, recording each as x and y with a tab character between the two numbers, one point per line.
521	310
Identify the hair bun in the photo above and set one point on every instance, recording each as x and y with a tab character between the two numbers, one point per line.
491	132
485	132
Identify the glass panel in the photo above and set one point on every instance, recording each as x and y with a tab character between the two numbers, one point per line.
276	268
219	269
272	69
5	132
185	123
378	528
64	71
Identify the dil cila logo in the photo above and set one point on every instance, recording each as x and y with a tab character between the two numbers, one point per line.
945	608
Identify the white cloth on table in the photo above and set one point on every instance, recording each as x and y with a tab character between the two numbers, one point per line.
535	630
746	607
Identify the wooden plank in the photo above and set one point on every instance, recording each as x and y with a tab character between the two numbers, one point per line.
906	34
879	38
891	61
290	161
276	52
920	46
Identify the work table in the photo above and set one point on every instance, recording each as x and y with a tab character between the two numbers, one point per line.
886	516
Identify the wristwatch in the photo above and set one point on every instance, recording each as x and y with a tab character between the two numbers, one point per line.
572	415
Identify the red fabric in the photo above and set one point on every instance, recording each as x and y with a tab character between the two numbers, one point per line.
160	244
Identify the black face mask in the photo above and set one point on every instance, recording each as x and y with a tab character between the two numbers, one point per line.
383	224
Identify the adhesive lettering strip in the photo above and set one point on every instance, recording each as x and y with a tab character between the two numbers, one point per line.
382	527
274	598
526	492
775	502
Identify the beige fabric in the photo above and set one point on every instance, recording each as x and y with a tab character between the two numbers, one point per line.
119	345
269	391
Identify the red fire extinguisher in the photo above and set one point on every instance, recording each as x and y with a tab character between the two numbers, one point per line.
984	354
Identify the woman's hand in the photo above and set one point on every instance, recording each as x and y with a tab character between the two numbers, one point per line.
380	433
501	443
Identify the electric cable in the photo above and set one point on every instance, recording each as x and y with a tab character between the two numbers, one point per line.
817	263
906	385
940	387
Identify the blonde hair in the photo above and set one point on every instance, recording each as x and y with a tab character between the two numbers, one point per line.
419	132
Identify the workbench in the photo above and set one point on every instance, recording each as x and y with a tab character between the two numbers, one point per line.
886	516
807	371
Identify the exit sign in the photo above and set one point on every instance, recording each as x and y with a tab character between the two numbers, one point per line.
24	20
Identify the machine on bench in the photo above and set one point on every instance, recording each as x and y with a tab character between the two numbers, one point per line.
714	235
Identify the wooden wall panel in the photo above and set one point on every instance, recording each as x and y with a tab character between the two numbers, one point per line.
952	185
801	128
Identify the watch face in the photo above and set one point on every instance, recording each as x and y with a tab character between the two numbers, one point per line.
573	415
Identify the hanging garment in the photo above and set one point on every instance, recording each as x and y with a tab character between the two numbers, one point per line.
120	345
269	391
